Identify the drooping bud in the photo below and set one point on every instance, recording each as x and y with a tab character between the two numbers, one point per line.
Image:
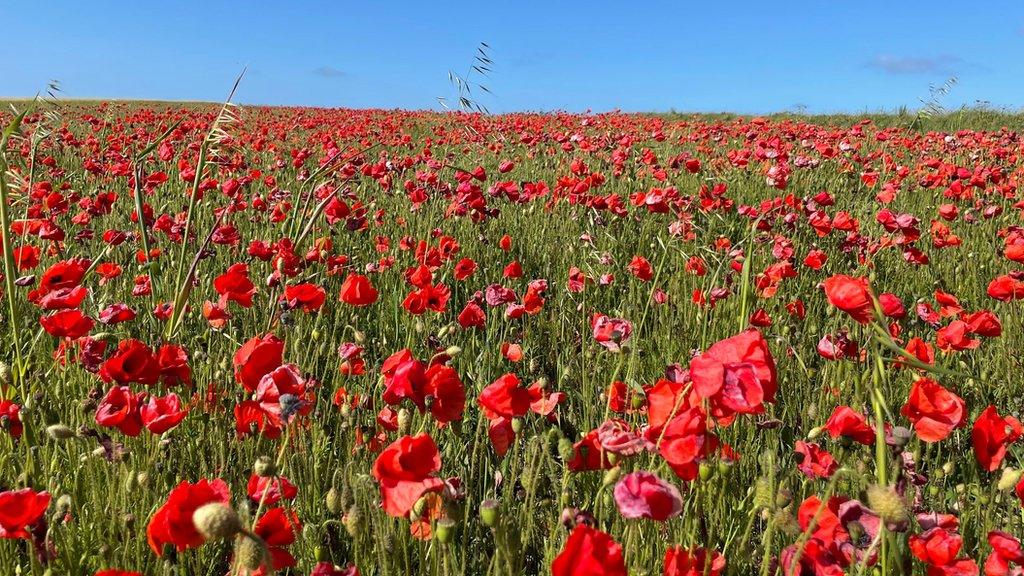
264	467
404	421
333	500
611	476
1009	479
216	521
565	449
353	521
888	504
251	552
59	432
763	494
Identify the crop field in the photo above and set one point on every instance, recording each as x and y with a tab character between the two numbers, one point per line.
253	340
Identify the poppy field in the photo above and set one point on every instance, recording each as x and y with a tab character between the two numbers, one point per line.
249	340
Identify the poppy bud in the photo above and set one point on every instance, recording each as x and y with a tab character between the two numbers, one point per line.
404	421
445	530
1009	478
948	468
216	521
489	513
6	376
565	449
517	425
359	336
264	467
452	351
59	432
704	471
611	476
763	494
418	326
353	521
417	508
785	522
333	500
888	504
251	553
814	433
783	498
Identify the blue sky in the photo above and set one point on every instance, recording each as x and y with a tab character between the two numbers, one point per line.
740	56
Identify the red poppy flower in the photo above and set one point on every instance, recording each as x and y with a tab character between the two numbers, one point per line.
328	569
356	290
429	298
936	546
589	552
472	316
116	313
506	398
991	435
270	490
645	495
444	393
1006	550
847	422
26	257
163	413
308	297
1005	288
933	410
174	368
235	286
891	305
133	361
70	324
216	315
279	529
736	374
405	471
464	268
815	461
256	358
120	409
21	509
851	295
641	268
697	561
611	333
62	276
11	412
684	442
172	524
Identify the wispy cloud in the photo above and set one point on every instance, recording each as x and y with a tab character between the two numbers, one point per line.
940	64
329	72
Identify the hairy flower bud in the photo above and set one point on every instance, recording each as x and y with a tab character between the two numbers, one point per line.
888	504
216	521
251	552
